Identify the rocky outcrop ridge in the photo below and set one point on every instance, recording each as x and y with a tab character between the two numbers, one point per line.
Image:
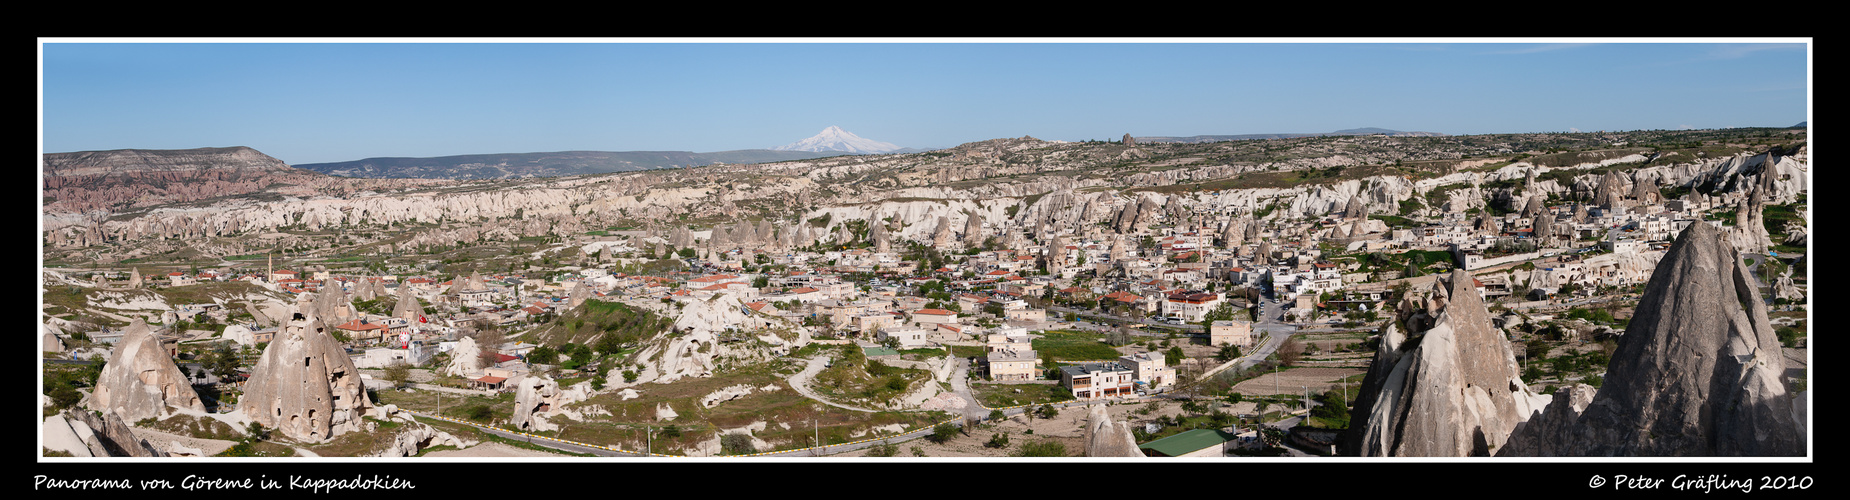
417	436
1452	391
305	386
1697	373
125	178
140	380
110	436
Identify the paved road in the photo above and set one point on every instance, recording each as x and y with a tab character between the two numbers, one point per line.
1147	321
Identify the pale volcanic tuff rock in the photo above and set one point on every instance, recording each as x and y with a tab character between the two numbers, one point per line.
1783	288
1454	392
407	307
973	231
305	386
571	199
579	294
1108	438
1699	371
140	380
58	434
464	359
534	398
417	436
692	354
110	436
331	304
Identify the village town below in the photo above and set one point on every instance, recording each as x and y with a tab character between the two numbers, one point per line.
1172	325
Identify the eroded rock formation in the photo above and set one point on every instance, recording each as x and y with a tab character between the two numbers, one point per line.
533	399
1699	371
1453	390
305	386
1108	438
140	380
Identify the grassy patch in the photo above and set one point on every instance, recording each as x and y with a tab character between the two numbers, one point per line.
967	351
630	421
1004	395
205	428
1070	345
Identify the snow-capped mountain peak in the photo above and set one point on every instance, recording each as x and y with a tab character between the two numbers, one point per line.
836	139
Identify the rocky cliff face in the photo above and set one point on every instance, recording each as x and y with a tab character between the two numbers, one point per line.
305	386
141	381
1697	373
1452	391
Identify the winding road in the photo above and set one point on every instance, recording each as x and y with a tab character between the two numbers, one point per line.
800	382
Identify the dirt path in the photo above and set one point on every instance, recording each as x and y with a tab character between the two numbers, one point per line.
800	382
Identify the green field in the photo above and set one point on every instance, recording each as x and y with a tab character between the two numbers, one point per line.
1070	345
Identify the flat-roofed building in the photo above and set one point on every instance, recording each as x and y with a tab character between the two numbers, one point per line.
1011	364
909	337
1190	306
1098	380
1230	332
1035	315
932	317
1147	367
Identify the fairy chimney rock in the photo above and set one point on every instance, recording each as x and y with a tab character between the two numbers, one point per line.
1699	371
305	386
141	380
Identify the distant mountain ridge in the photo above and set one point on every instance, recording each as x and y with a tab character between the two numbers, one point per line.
1244	137
552	164
124	179
836	139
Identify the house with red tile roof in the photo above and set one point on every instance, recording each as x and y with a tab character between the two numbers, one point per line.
361	329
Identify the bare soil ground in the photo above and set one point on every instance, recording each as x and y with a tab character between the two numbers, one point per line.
1295	380
1068	428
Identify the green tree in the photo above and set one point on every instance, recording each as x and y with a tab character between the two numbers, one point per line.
64	396
544	355
997	440
942	433
1227	352
398	373
1194	406
737	444
223	361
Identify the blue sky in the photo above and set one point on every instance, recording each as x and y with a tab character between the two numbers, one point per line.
313	101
